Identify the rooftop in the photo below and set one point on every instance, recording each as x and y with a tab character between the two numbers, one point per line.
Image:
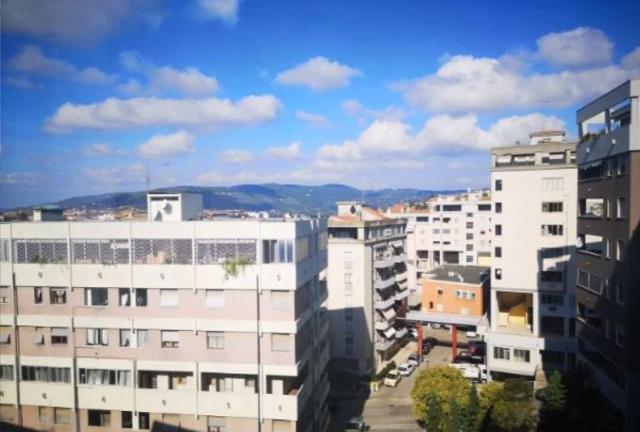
474	275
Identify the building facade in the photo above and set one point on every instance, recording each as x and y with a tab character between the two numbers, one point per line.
456	290
448	230
367	281
608	274
533	261
209	325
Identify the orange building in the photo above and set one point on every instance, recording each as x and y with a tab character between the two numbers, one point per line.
456	290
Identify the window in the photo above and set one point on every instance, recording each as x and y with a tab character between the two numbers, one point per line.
484	207
97	337
57	296
469	225
169	298
216	424
469	259
469	247
591	207
498	185
46	374
162	251
5	335
39	337
214	299
43	418
608	248
620	334
498	207
127	420
4	295
280	300
62	416
37	295
552	252
620	293
277	251
43	251
280	342
440	292
100	251
500	353
124	297
113	377
143	420
142	336
551	276
552	299
591	243
589	281
552	183
96	296
552	230
622	165
99	418
621	250
6	373
125	337
497	252
170	339
498	230
591	170
59	336
215	340
469	236
521	355
498	273
552	207
621	208
609	207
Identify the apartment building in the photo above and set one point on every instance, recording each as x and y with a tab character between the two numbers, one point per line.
447	230
210	325
533	261
367	279
608	275
455	290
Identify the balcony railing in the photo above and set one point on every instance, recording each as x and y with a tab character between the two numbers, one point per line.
401	332
384	345
385	304
383	262
402	295
384	283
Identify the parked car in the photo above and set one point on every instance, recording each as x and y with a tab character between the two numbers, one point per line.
356	424
414	332
406	369
472	372
413	359
477	347
467	357
426	348
393	378
431	341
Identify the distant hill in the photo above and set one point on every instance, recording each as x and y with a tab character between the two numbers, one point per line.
262	197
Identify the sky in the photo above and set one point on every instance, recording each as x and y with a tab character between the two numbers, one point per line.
115	95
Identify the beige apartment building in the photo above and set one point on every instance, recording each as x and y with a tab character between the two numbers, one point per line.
207	325
367	279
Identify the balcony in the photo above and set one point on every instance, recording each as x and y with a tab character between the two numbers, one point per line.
402	295
166	401
382	325
389	333
228	404
401	332
110	397
384	283
397	244
401	277
381	263
402	285
384	304
384	345
397	259
285	406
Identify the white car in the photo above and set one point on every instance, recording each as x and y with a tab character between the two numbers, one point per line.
392	379
414	332
413	360
406	369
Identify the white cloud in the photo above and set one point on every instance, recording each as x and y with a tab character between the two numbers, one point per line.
131	87
235	156
19	82
131	174
189	81
577	48
354	108
174	144
316	120
223	10
21	178
291	151
102	149
32	60
440	134
467	83
318	73
120	114
631	61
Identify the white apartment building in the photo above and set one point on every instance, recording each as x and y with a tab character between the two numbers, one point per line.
533	263
208	325
367	281
449	229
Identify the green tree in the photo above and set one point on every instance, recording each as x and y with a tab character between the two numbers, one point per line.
513	409
455	419
434	414
472	412
441	382
489	394
555	394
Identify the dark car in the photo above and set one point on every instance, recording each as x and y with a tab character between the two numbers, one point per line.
467	357
431	341
426	348
477	348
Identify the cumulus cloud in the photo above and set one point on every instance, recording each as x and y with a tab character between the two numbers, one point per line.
291	151
223	10
318	74
467	83
121	114
159	145
189	81
316	120
235	156
21	178
354	108
130	174
577	48
32	60
440	134
102	149
631	61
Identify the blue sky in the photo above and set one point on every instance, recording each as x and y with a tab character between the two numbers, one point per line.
95	95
